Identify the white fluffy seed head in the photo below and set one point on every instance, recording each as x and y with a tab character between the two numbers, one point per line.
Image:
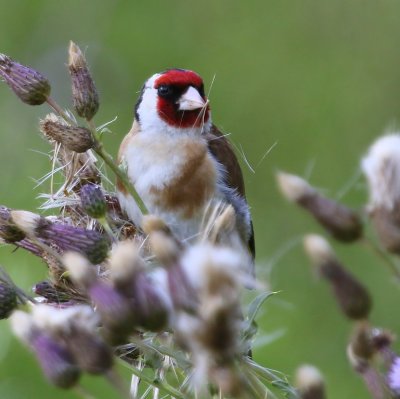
81	270
203	262
62	319
381	167
26	221
308	377
293	187
125	261
318	248
22	325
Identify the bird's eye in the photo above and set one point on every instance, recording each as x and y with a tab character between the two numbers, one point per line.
164	90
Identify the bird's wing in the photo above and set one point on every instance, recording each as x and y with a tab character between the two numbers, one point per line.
222	150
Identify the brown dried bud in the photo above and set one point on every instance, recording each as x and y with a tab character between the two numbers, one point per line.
9	232
310	383
84	93
352	297
342	222
28	84
77	139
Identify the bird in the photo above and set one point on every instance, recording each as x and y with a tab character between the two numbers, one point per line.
178	160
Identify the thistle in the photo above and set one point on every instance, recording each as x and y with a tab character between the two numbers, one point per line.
91	243
84	93
28	84
342	222
8	299
77	139
55	360
93	201
352	297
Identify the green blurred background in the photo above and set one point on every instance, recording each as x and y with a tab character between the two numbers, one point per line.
317	80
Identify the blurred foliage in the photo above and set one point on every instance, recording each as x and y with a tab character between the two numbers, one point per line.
318	78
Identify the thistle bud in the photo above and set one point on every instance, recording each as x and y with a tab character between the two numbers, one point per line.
90	243
352	297
46	290
76	327
29	85
342	222
77	139
310	382
9	232
55	360
93	201
8	299
114	309
84	93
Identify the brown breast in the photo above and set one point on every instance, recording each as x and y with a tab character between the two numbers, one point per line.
190	190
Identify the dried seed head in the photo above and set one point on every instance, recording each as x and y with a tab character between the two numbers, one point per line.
381	167
393	377
29	85
93	201
9	232
77	139
342	222
8	299
310	383
84	93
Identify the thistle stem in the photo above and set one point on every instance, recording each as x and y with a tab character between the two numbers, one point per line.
383	255
102	153
53	104
121	175
156	383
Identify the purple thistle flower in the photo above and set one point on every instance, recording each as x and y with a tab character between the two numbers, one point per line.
93	201
29	85
90	243
115	310
394	376
150	306
56	362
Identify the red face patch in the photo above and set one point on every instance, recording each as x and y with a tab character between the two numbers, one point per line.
178	81
179	77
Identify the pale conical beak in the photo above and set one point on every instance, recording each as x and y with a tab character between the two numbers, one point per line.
191	100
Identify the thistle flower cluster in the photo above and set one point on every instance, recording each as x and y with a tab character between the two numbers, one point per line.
114	290
369	350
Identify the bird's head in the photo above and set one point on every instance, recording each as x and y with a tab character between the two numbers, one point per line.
173	99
